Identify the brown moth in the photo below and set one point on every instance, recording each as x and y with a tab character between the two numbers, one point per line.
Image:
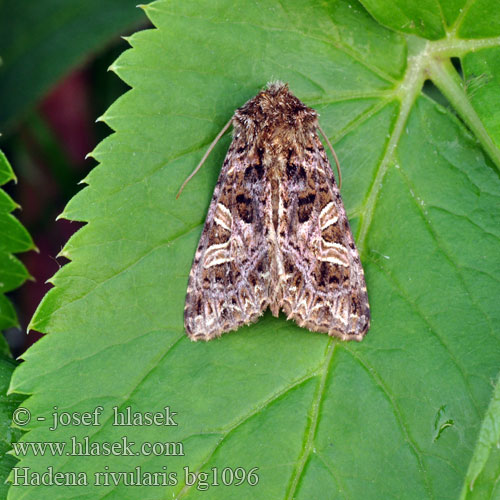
276	233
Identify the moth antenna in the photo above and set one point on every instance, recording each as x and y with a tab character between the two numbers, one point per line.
205	156
333	153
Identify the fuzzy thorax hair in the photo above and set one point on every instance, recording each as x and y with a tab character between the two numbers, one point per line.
275	117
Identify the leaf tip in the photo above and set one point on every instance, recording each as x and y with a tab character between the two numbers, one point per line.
29	329
90	154
113	67
63	253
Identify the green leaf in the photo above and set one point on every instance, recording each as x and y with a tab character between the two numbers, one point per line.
8	435
41	41
13	239
395	416
435	19
425	18
484	469
482	79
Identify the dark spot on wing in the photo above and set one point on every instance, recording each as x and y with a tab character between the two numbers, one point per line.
254	172
305	207
244	207
291	170
301	173
308	199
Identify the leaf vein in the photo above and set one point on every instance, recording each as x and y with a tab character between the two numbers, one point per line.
434	235
424	318
372	373
314	419
238	423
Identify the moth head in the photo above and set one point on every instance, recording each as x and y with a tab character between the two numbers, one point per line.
276	114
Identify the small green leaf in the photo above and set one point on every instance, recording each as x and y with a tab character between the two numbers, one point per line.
13	239
8	435
484	469
395	416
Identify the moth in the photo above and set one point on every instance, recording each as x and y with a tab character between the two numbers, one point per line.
276	234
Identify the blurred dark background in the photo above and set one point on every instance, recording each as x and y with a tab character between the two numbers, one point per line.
54	84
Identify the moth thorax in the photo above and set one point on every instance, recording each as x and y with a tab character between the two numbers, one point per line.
279	135
286	138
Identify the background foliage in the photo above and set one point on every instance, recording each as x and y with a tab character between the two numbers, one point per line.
47	140
36	54
14	239
412	411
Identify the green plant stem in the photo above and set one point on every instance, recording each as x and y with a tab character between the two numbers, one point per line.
446	79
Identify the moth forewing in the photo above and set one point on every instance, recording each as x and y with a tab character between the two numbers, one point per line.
276	233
